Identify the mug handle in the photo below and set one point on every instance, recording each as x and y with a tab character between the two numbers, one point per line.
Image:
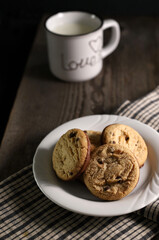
114	39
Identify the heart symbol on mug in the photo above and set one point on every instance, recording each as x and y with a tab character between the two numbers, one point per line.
96	45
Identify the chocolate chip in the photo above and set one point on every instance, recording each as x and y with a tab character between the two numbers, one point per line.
114	142
72	134
71	173
120	181
77	139
105	188
126	138
118	178
99	160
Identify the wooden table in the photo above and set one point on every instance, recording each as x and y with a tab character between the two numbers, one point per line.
43	102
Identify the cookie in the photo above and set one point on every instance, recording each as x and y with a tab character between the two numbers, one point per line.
128	137
95	138
71	154
112	173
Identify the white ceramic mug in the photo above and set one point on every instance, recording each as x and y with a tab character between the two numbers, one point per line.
75	44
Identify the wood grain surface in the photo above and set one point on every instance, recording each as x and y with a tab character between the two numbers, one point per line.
43	102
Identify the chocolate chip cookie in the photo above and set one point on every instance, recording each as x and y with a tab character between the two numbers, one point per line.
112	173
128	137
95	138
71	154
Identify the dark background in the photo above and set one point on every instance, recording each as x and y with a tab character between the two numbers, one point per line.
18	24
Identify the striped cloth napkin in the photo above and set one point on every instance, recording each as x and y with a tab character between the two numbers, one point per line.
25	213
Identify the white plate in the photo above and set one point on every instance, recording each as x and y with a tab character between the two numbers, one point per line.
74	196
